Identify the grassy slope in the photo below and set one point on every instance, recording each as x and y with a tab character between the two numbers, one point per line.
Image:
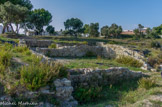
122	94
128	94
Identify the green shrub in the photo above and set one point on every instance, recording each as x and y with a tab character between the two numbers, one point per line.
129	61
5	57
2	69
155	61
85	42
28	53
53	45
7	47
84	95
146	83
152	61
113	42
90	54
38	75
155	44
21	49
33	59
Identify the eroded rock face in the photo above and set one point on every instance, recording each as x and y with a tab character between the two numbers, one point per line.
120	50
88	77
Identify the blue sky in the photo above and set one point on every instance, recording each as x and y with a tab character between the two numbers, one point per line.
127	13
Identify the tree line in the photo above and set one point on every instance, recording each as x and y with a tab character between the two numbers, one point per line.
148	33
74	26
21	14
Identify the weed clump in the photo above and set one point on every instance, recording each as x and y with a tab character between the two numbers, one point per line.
146	83
129	61
21	49
53	45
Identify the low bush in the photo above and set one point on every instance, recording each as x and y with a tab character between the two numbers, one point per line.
85	42
90	54
38	75
21	49
84	95
159	58
155	44
28	53
155	61
33	59
129	61
146	83
6	47
152	61
53	45
5	57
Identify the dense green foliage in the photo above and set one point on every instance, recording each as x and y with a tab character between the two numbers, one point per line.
24	3
38	75
10	13
158	29
5	58
147	33
93	30
84	95
53	45
138	32
105	31
113	31
40	18
74	26
50	29
86	29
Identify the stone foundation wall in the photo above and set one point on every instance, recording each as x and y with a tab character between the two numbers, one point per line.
78	51
62	93
106	51
35	43
46	43
88	77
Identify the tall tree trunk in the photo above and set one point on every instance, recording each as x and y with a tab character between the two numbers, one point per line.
17	28
12	28
7	29
4	28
